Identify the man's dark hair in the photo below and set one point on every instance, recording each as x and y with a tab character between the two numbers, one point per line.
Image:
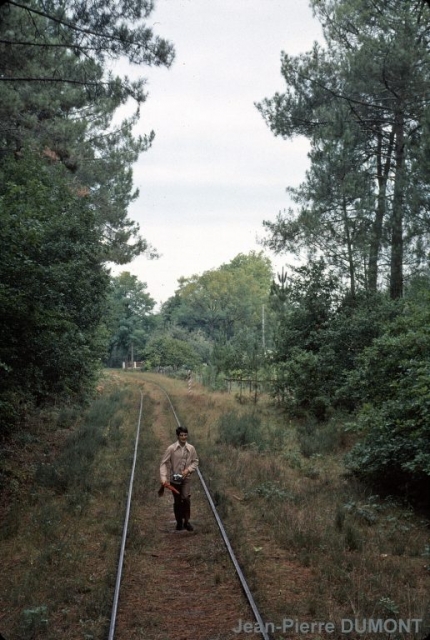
181	430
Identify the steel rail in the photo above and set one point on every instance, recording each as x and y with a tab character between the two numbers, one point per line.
125	529
245	587
244	584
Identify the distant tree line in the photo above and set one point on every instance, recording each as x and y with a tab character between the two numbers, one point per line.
212	323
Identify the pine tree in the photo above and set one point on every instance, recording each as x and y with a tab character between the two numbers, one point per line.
59	97
373	76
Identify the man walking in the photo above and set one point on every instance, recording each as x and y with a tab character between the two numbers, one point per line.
177	464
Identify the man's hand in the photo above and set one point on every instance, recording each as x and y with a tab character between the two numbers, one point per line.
185	473
165	485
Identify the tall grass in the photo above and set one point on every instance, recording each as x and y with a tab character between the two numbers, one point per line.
61	536
313	541
72	470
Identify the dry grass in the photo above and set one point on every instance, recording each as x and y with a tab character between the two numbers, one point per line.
60	530
175	585
314	544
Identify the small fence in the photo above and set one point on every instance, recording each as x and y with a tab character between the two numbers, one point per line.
132	365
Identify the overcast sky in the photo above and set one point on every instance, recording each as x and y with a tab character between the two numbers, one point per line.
215	171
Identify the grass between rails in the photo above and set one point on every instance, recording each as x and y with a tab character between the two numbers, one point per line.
314	543
61	518
175	586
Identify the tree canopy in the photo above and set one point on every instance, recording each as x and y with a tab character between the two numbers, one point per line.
363	102
66	168
219	313
221	300
59	96
129	319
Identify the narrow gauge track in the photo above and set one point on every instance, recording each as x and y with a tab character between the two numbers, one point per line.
258	627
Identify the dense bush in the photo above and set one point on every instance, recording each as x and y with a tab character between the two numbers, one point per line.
319	339
166	351
240	430
393	379
368	355
52	287
315	438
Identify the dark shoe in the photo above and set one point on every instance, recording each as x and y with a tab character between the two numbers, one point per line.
179	526
188	526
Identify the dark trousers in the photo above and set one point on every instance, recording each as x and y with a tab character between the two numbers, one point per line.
182	501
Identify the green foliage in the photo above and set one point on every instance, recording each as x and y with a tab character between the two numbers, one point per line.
219	314
365	353
302	383
394	381
240	356
241	430
52	286
128	319
222	300
198	342
165	351
59	97
311	295
212	379
321	333
302	358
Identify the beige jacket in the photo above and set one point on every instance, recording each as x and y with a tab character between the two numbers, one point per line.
176	459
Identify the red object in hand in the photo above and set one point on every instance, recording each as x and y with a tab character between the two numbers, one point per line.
168	486
173	489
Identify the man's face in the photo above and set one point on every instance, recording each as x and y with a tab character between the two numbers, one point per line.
182	437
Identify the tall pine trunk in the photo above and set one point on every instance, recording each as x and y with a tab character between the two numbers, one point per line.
351	267
396	273
383	170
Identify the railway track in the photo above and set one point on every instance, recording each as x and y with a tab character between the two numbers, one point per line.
61	536
197	601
